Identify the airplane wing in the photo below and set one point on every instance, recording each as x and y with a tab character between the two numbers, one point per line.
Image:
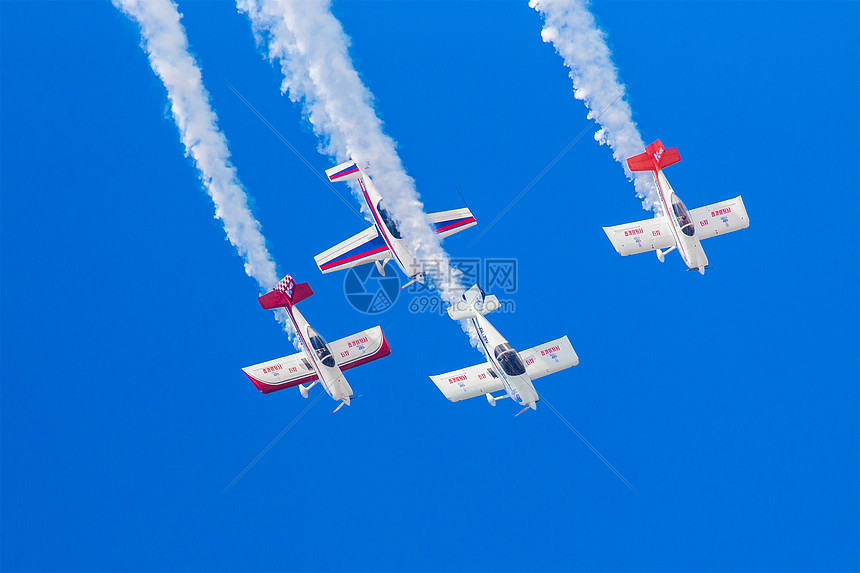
281	373
720	218
549	358
641	237
360	348
468	382
365	247
447	223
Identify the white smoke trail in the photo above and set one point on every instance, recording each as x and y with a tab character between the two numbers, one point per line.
166	44
572	30
311	47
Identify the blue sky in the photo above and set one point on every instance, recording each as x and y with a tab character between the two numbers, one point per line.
729	401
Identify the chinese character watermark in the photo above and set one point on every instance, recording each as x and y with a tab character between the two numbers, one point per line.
369	292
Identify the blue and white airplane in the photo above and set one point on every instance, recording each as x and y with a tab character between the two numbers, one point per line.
505	369
383	242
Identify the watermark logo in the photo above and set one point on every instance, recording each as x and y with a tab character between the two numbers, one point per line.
368	291
371	293
494	275
491	274
501	273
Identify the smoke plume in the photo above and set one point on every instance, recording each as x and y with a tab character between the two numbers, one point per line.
572	30
166	45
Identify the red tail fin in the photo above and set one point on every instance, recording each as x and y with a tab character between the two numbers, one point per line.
286	294
655	158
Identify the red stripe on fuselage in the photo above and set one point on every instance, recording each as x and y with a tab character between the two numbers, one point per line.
379	225
669	214
309	352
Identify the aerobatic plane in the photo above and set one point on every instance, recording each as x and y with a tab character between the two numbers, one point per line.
383	242
318	361
505	369
679	228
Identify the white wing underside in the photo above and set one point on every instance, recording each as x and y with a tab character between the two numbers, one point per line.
549	358
641	237
283	372
365	247
720	218
469	382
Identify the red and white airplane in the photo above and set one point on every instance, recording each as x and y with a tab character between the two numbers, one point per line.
318	361
505	369
383	242
679	229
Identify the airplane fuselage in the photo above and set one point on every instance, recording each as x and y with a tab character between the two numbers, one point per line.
319	355
387	229
518	385
682	225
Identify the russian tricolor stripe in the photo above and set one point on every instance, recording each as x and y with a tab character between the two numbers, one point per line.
371	247
337	263
453	224
343	173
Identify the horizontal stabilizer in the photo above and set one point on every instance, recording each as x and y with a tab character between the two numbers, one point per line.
474	301
468	382
344	172
720	218
286	294
655	158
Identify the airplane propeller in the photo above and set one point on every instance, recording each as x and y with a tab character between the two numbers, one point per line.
523	410
417	278
341	405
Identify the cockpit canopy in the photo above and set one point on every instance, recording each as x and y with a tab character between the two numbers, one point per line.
388	220
683	216
509	360
321	348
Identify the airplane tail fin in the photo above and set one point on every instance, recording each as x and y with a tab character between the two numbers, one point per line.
655	158
475	301
344	172
286	294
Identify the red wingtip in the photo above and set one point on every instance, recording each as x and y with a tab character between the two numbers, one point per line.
384	350
259	385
